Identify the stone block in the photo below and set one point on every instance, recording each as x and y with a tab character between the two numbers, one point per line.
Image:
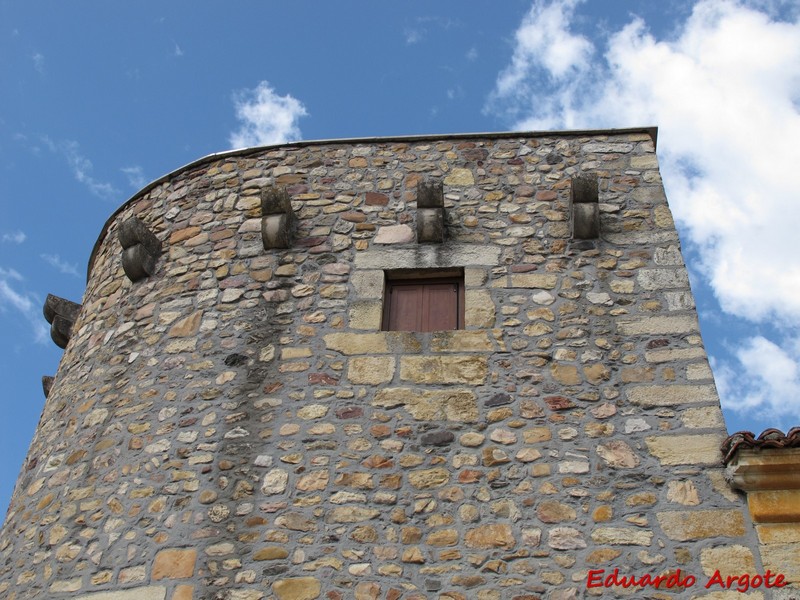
662	356
660	279
671	395
461	341
658	325
365	314
729	560
703	417
368	283
541	281
479	310
684	526
468	369
774	506
152	592
492	536
429	478
459	177
429	257
779	533
622	536
371	370
394	234
451	404
297	588
372	343
174	563
686	449
782	558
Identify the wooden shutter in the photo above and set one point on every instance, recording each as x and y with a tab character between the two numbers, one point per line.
424	305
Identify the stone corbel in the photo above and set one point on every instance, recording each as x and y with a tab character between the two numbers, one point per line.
140	249
61	315
47	384
431	218
278	221
585	208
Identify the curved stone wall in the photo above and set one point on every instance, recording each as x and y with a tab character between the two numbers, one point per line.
237	426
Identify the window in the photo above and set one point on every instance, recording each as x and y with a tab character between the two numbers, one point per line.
423	301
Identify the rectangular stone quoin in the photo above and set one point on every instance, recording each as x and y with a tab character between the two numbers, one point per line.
469	369
659	325
670	395
686	449
774	506
153	592
701	524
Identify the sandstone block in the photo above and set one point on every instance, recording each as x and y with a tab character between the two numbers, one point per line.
622	536
670	395
174	563
297	588
774	506
372	343
365	314
153	592
467	369
658	325
782	558
460	341
459	177
700	524
540	281
429	478
685	449
394	234
479	310
730	560
371	370
486	537
779	533
431	405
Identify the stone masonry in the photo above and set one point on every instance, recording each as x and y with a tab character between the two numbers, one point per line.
236	426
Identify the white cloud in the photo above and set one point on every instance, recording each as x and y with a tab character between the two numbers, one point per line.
135	176
724	90
82	170
767	378
472	54
55	261
725	99
15	237
177	50
38	62
22	302
266	118
80	166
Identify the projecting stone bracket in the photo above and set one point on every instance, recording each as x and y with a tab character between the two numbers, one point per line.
585	208
47	384
431	217
278	221
140	249
61	315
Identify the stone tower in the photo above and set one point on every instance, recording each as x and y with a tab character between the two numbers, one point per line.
236	417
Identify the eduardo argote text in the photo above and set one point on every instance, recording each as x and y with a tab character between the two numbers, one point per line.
600	578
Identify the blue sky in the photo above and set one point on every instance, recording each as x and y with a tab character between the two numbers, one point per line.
99	98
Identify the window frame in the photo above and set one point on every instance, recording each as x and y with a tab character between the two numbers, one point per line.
407	277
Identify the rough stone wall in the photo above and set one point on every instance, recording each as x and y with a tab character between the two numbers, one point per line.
237	427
